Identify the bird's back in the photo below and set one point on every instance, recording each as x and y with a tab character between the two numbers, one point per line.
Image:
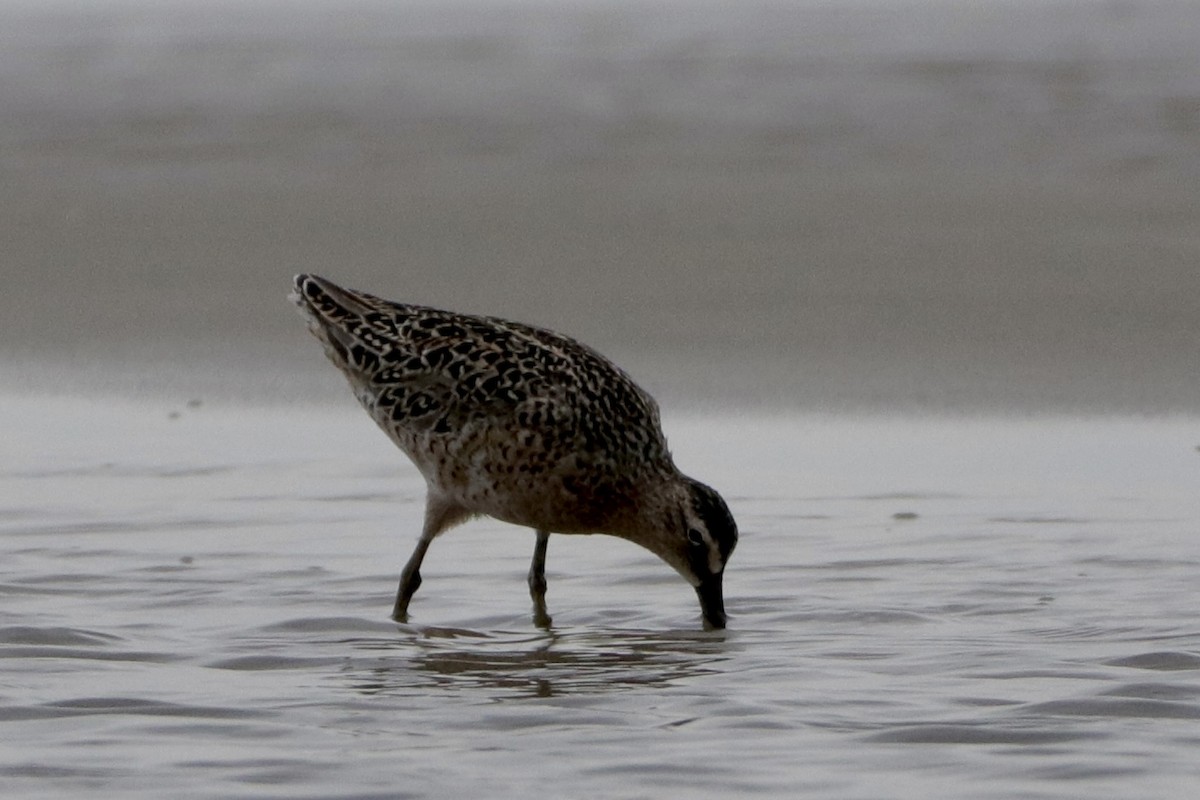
509	419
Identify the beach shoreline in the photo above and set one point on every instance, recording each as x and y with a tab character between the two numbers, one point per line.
798	207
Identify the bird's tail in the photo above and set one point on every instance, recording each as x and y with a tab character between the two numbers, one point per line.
344	320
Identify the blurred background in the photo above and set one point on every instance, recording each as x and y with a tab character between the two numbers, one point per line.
966	205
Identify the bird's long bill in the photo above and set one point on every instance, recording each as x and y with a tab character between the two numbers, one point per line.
712	602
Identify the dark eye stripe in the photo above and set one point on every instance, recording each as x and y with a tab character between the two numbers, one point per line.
711	509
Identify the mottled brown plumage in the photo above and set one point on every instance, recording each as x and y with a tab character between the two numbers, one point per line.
524	425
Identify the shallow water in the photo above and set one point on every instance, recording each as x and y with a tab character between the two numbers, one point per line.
196	599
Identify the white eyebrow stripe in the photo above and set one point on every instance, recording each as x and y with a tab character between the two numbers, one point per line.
714	559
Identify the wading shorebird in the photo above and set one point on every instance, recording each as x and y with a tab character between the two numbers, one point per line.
524	425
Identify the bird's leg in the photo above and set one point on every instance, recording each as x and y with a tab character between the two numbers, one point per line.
439	515
537	580
410	579
537	568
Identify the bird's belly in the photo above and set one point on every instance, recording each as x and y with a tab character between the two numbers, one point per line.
543	501
564	494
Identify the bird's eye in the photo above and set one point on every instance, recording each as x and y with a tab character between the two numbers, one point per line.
695	537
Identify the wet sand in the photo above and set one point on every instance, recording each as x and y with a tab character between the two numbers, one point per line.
873	205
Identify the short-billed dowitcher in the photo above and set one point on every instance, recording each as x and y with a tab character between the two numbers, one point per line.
524	425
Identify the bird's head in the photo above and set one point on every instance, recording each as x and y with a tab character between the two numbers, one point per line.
697	539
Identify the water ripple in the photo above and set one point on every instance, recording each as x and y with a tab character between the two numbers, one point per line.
1164	661
133	706
987	734
539	665
22	634
1117	708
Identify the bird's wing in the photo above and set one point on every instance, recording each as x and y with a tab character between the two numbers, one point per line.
418	364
